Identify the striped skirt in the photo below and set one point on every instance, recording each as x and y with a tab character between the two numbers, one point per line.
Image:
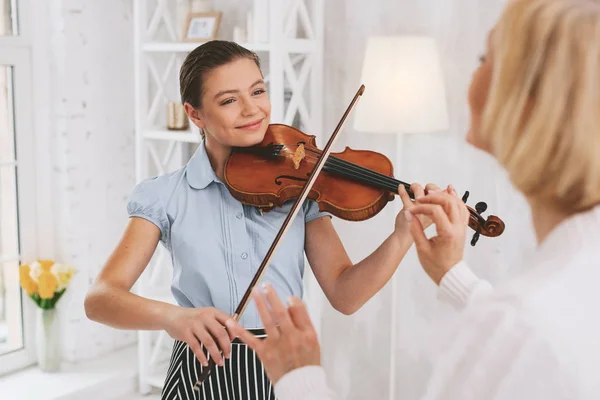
240	378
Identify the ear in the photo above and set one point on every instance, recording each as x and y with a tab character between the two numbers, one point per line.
194	115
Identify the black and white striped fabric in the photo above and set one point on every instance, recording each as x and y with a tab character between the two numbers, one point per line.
241	378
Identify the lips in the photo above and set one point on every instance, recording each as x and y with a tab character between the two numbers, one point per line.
252	125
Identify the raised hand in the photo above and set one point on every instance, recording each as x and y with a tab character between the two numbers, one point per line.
450	216
291	338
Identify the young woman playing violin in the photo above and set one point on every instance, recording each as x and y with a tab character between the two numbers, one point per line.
216	242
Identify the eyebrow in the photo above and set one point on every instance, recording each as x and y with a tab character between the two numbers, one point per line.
222	92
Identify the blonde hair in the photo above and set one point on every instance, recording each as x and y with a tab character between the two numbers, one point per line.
542	117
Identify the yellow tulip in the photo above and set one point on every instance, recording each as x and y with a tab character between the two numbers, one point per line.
48	284
46	264
27	283
63	273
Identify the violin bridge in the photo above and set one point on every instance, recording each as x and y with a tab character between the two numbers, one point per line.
299	155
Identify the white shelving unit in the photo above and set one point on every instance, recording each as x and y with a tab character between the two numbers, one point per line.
292	60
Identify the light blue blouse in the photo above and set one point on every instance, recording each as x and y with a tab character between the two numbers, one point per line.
217	243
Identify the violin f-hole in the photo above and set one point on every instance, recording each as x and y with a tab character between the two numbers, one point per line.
295	178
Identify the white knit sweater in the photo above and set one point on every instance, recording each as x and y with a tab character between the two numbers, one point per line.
538	337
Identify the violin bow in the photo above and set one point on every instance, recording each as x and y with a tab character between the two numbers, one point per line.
292	214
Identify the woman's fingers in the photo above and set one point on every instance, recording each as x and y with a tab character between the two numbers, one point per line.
437	214
431	188
220	334
417	232
452	191
252	341
196	348
279	310
299	314
406	200
417	190
464	211
208	342
222	317
265	315
451	205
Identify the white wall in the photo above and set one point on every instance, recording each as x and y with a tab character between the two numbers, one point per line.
356	349
83	96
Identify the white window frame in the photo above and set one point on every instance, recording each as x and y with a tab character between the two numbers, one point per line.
16	51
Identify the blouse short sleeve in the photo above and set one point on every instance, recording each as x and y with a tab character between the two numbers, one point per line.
147	201
311	211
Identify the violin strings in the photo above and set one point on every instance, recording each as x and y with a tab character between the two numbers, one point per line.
352	172
390	180
347	168
370	177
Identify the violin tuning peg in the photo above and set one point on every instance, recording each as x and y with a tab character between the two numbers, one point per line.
475	239
481	207
465	196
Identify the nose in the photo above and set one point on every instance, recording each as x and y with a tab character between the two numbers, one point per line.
249	107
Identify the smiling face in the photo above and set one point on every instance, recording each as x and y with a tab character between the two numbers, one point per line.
235	109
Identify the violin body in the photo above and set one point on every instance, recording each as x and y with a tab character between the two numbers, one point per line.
278	172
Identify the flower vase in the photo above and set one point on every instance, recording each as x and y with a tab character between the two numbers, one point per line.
47	340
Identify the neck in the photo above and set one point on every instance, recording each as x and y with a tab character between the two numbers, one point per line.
217	155
362	174
545	218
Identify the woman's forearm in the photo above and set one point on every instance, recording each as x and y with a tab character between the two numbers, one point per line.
358	283
122	309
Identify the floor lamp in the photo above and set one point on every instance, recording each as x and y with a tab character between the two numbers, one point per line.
404	94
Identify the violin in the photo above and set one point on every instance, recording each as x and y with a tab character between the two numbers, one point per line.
355	185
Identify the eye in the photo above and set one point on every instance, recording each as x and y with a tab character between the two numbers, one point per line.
228	101
258	91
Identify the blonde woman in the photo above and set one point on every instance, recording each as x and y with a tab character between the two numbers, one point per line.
535	106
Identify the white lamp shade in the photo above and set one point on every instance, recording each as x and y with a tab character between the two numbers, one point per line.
404	87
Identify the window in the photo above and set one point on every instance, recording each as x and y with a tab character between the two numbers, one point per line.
17	184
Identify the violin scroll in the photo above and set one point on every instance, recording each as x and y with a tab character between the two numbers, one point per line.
491	227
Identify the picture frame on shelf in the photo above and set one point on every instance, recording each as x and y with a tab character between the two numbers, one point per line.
201	27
